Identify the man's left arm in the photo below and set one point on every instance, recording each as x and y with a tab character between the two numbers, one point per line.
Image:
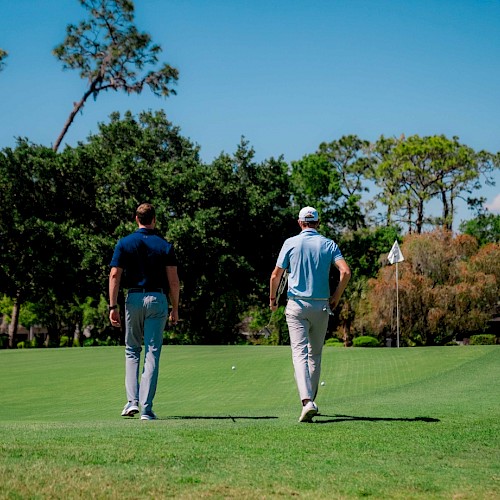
115	276
173	292
345	276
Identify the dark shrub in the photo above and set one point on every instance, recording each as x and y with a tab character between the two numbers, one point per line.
334	342
484	339
365	341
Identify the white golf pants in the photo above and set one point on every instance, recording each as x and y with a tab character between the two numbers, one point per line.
307	324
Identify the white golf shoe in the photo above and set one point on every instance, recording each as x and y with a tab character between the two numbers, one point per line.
309	410
130	409
149	415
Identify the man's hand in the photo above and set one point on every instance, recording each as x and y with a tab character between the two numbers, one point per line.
114	317
174	316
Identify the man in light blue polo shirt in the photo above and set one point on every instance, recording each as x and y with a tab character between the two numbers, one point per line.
308	258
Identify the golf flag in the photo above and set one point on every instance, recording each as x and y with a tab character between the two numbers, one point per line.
395	254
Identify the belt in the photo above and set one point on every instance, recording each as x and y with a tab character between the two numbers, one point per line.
146	290
296	297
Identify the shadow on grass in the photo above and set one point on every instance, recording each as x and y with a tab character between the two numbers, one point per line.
350	418
224	417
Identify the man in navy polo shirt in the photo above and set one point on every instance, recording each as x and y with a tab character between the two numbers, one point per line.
308	257
148	265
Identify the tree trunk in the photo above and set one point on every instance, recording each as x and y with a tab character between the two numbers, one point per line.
14	321
389	216
451	211
76	108
410	214
446	210
420	217
346	324
76	335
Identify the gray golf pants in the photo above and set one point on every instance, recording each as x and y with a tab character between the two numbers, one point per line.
307	324
145	318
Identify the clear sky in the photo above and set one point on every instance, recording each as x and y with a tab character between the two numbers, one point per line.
286	74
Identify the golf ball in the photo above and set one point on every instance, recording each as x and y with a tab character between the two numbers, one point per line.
233	367
322	383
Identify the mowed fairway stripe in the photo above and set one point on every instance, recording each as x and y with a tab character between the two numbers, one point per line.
87	383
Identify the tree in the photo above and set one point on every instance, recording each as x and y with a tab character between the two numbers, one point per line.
314	182
448	289
62	213
36	255
349	159
225	219
3	56
362	249
110	53
228	222
332	180
412	171
132	159
485	228
459	170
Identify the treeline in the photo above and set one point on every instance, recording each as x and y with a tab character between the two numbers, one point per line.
62	212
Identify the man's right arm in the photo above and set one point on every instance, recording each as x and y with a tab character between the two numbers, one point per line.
273	287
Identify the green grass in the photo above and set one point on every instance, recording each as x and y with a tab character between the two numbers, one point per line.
413	423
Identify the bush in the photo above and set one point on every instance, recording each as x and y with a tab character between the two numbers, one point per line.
365	341
64	341
108	341
484	339
334	342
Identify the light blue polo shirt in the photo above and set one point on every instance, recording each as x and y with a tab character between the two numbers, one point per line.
308	257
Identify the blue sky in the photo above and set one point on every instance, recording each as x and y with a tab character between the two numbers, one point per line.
286	74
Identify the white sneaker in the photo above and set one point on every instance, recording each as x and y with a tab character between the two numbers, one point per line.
130	409
309	410
149	415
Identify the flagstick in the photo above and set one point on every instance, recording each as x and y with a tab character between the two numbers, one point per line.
395	256
397	305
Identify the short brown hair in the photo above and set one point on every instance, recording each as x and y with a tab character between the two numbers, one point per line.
145	213
311	224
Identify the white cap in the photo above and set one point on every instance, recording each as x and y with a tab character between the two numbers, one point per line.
308	214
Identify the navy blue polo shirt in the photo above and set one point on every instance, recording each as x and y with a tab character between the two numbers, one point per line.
143	256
